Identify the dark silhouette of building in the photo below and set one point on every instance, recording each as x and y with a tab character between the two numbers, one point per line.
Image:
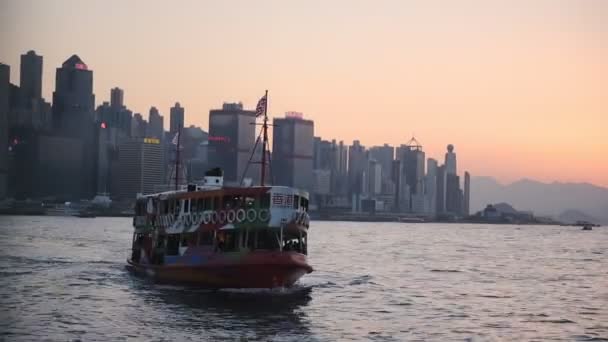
176	118
357	164
467	194
453	194
139	126
231	141
413	158
292	151
155	124
139	168
30	80
441	189
4	108
117	98
73	99
384	155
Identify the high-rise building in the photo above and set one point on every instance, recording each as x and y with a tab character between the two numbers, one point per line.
155	124
384	155
441	189
4	95
117	98
139	126
139	168
357	163
397	176
453	194
31	77
292	151
176	118
413	158
73	117
450	160
467	194
73	99
430	186
231	141
374	177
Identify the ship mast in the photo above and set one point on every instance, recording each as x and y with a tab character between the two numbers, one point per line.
179	136
264	140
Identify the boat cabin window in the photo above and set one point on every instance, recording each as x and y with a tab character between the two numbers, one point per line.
216	203
205	239
267	239
188	240
207	203
296	201
186	205
265	201
227	240
173	244
163	207
304	203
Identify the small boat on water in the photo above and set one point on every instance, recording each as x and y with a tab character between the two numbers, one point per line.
217	236
587	227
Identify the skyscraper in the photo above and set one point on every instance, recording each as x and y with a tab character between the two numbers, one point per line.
176	118
231	141
357	163
73	99
384	155
292	151
467	194
73	117
413	158
4	89
430	187
440	189
117	98
155	124
139	126
31	77
450	160
139	167
453	194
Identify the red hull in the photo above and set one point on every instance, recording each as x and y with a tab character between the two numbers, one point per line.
266	271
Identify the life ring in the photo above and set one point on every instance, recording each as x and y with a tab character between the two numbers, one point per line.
252	215
206	217
240	215
230	216
264	215
221	217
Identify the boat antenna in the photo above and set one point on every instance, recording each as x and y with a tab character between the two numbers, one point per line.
264	139
179	136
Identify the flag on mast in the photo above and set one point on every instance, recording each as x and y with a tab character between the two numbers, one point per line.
175	139
261	107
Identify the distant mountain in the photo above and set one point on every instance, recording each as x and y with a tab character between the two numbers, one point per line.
544	199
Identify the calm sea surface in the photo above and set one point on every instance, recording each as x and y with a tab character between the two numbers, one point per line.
64	279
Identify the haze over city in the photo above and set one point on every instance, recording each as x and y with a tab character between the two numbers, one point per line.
519	88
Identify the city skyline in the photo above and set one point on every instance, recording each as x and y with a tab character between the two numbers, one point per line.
564	54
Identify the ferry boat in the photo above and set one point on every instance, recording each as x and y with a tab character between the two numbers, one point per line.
218	236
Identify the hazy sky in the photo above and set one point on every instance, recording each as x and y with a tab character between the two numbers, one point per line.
519	87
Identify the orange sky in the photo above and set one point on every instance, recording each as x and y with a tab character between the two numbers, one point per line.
519	87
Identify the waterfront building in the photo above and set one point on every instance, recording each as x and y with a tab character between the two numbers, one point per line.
176	118
450	161
292	151
232	137
117	98
30	77
467	194
4	108
430	187
139	168
357	163
156	125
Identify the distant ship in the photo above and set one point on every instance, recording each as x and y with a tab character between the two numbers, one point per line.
215	236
